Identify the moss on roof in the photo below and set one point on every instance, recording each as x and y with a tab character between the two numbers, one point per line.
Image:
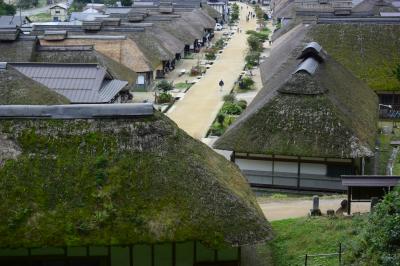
369	51
121	181
22	50
339	120
15	88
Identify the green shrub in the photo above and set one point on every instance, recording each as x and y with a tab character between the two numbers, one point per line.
231	109
254	43
210	56
242	104
246	83
217	129
220	118
219	44
229	98
164	98
164	85
379	241
252	59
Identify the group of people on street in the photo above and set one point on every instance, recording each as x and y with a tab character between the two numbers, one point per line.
250	15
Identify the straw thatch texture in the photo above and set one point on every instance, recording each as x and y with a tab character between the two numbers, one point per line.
120	181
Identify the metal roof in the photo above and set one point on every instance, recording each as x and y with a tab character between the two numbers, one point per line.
309	65
12	21
312	49
370	181
76	111
80	83
313	45
110	88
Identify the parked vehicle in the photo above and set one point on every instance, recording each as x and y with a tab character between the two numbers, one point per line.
218	27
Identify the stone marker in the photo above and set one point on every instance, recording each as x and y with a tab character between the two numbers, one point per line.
315	211
330	213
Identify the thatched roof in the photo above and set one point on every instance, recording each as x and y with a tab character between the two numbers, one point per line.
21	50
152	48
119	181
370	51
325	113
169	41
199	19
181	30
211	11
16	88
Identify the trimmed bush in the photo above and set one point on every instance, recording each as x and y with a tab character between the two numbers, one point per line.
242	104
164	85
229	98
164	98
231	109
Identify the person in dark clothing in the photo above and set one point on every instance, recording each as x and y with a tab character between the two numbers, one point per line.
221	85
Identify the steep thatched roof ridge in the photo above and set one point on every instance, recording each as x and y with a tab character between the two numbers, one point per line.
370	51
338	120
211	11
120	181
16	88
152	48
182	30
173	44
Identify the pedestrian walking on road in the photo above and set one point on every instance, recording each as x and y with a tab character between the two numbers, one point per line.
221	85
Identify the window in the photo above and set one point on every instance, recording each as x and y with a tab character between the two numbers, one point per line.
140	80
57	11
336	170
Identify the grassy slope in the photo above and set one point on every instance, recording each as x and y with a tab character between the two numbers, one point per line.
371	52
296	237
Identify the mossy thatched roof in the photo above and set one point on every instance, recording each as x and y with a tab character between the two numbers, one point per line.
120	181
286	118
21	50
370	51
16	88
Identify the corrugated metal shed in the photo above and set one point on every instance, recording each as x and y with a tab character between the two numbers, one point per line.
80	83
309	65
76	111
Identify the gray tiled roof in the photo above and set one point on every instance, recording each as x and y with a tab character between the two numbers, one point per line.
80	83
12	21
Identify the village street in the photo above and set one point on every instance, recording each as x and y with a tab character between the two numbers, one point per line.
197	110
295	208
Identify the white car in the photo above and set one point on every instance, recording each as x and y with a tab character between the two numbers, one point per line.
218	27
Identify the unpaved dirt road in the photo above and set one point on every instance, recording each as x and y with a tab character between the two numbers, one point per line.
285	209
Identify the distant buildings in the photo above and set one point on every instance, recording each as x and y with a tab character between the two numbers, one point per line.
59	12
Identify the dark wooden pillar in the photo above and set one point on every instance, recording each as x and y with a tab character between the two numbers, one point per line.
298	172
348	200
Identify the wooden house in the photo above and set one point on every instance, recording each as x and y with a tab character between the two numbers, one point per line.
59	12
312	122
102	186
